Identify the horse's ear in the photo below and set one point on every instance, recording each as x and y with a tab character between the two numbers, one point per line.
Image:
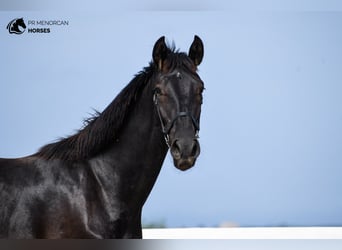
196	51
159	52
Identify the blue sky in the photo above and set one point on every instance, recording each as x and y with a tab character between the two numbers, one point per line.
271	122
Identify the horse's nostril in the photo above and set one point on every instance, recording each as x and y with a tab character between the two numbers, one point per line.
175	150
194	149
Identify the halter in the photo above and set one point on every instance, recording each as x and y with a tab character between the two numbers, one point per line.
167	127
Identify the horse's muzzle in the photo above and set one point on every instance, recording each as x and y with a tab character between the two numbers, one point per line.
185	152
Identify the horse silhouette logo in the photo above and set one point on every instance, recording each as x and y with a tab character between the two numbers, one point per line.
16	26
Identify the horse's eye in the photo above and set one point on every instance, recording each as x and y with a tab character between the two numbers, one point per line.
200	90
157	91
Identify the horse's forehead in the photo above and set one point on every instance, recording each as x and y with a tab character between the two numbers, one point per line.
180	83
181	72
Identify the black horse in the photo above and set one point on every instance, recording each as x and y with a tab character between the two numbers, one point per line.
13	26
94	183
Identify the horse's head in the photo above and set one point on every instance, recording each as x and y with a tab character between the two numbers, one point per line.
20	22
178	98
13	26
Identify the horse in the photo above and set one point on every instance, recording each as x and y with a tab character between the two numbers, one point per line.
94	183
13	26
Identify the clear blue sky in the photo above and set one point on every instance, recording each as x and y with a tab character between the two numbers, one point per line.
272	115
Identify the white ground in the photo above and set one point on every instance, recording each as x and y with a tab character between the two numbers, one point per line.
245	233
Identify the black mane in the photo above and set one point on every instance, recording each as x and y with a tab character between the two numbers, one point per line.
103	128
176	59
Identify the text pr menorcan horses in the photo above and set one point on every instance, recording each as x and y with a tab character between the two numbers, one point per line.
94	183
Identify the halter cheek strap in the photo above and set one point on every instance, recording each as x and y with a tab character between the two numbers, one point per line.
167	127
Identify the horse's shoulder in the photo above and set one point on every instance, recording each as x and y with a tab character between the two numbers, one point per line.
17	170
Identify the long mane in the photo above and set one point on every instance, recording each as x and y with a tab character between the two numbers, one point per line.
101	129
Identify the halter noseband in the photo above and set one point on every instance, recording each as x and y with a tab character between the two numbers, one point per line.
167	127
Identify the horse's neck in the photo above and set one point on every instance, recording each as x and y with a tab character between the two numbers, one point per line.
136	156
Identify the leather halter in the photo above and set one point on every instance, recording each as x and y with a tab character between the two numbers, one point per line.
167	127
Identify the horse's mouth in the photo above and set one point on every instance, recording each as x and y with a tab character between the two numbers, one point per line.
184	153
184	164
